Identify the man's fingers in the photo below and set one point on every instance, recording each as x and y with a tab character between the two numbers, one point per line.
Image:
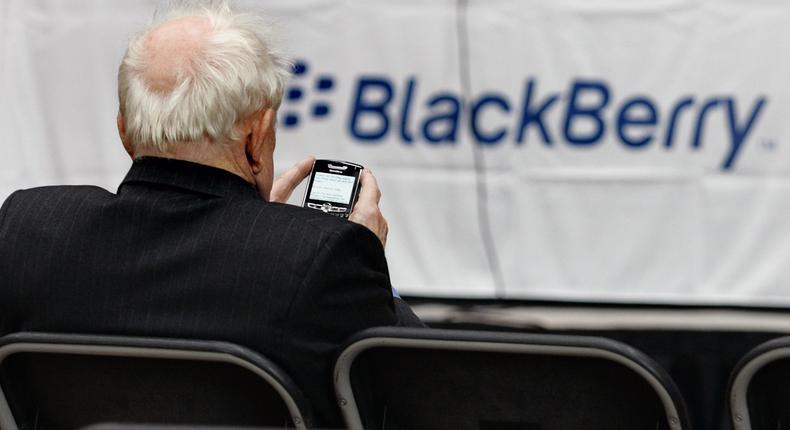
369	192
285	184
367	212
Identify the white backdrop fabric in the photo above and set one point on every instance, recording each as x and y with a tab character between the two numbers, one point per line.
596	150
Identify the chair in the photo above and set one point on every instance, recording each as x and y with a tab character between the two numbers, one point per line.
399	378
760	387
61	381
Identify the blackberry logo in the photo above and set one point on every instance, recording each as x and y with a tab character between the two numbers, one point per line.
296	101
384	109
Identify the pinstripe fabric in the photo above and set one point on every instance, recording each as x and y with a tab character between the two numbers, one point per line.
185	250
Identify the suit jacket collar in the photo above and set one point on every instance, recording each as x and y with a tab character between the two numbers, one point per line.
190	176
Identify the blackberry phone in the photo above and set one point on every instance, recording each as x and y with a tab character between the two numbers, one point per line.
333	187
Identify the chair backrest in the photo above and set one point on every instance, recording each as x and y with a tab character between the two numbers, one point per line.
57	381
398	378
760	387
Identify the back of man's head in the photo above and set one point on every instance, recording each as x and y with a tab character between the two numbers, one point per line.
199	69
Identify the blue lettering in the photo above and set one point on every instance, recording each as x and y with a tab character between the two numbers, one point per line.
627	119
700	127
738	133
584	122
593	112
404	113
490	138
366	106
443	126
673	119
529	116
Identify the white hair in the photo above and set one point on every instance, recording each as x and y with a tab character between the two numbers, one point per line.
236	72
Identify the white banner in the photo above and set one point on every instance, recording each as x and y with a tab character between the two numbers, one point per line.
612	150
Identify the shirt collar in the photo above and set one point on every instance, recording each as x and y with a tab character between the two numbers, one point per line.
188	175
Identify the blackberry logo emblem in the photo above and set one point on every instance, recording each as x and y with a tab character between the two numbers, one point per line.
383	109
296	101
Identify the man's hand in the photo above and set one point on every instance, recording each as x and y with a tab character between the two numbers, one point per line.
366	211
284	186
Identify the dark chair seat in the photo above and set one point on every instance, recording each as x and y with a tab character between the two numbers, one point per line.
57	381
396	378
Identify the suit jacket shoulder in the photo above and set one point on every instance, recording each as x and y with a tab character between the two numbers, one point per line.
26	211
193	256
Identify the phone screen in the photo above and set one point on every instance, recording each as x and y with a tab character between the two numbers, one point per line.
332	188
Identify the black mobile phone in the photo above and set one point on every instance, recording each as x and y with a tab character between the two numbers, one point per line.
333	187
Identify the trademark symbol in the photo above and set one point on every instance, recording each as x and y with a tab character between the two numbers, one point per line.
768	144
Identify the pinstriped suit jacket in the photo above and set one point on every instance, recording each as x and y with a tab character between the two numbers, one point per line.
186	250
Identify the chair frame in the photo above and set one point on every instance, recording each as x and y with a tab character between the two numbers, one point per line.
157	348
759	357
516	343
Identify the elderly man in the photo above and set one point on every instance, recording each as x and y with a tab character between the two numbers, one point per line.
197	242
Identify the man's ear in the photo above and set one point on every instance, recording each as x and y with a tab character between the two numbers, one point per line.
260	139
122	133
